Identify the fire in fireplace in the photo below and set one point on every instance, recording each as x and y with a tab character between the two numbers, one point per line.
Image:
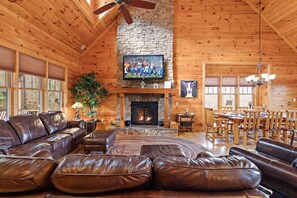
144	113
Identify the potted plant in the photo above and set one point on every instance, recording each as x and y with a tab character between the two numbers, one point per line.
89	92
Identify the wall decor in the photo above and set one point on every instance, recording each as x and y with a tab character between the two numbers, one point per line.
188	88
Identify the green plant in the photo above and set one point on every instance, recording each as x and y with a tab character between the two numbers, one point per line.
89	92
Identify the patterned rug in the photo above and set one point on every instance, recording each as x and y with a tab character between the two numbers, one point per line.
130	145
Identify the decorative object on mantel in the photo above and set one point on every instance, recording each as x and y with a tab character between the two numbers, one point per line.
142	84
156	86
167	84
260	78
77	106
188	88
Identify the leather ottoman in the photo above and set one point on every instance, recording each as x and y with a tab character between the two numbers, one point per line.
99	140
153	151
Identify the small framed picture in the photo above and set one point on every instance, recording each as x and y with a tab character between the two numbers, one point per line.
167	84
188	88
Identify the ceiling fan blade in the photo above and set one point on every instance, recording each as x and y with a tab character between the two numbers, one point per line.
141	4
105	8
126	14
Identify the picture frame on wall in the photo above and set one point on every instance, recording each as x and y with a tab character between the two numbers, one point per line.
188	88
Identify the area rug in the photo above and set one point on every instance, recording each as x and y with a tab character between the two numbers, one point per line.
130	145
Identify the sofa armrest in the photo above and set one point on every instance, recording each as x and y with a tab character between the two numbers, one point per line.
43	153
76	123
4	151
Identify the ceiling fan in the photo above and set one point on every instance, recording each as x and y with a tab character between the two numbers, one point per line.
123	9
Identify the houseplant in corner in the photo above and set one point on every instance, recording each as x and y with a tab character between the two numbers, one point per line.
90	92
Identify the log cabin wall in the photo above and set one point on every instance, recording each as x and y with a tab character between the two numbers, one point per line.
223	32
102	59
226	32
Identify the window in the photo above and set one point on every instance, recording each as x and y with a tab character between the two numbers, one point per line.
29	94
212	85
55	95
225	91
5	83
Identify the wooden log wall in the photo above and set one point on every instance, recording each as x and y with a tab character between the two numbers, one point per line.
102	59
222	32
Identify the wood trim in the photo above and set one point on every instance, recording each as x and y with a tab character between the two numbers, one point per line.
86	13
271	25
45	90
143	91
15	88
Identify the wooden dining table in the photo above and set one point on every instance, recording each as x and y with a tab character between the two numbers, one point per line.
237	119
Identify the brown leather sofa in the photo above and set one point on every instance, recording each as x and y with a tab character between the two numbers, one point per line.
276	162
128	176
30	135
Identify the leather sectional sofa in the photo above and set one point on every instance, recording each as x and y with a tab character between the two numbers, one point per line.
49	134
84	175
277	162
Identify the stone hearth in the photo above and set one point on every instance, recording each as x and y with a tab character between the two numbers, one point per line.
147	130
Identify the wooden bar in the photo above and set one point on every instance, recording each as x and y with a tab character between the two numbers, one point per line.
122	110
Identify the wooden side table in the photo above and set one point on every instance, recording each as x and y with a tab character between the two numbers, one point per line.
185	122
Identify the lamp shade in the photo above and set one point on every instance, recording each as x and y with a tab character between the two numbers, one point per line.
77	105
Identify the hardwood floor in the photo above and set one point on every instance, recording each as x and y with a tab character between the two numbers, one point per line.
219	148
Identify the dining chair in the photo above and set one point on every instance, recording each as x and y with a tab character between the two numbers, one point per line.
258	108
3	115
218	126
251	125
226	109
241	109
290	126
273	124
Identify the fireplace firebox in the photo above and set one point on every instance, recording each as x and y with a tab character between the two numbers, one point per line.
144	113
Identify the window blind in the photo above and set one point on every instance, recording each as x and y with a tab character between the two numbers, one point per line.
229	81
31	65
56	72
7	59
212	81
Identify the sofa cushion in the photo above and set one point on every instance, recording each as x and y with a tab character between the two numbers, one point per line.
215	174
53	121
8	137
75	132
21	174
30	148
80	174
57	141
27	127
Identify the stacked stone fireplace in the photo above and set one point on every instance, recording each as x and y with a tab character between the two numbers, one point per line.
151	33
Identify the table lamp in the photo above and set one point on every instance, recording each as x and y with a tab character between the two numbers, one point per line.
77	106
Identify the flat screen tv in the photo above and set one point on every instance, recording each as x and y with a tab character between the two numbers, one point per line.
141	67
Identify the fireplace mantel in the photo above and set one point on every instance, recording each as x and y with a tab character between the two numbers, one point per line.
132	90
137	90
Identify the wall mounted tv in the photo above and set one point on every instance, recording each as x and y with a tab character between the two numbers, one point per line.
141	67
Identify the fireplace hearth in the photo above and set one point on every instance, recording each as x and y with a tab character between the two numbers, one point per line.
144	113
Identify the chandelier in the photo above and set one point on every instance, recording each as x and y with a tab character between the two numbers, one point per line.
260	78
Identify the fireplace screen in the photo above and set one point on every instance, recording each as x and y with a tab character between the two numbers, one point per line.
144	113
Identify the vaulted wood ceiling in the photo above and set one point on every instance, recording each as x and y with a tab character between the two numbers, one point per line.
281	15
70	22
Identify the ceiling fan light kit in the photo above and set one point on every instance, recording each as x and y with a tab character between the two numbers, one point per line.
123	8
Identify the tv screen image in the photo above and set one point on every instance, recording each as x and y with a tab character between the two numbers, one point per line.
143	67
